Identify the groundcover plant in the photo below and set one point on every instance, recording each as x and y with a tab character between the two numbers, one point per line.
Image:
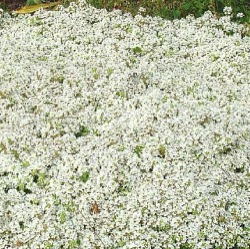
123	132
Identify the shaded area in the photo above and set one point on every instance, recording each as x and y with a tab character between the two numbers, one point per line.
11	4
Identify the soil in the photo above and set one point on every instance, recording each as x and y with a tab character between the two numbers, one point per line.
11	5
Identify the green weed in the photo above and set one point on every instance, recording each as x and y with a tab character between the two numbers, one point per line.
138	149
84	177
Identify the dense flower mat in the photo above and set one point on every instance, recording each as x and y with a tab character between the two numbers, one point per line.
122	132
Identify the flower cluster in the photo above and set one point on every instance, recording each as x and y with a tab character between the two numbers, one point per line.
123	132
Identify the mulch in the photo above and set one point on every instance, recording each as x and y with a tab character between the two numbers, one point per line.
13	4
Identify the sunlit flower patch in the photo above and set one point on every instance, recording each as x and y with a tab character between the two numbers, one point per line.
123	132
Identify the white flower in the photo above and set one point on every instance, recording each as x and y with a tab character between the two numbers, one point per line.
142	9
1	12
227	10
240	15
146	117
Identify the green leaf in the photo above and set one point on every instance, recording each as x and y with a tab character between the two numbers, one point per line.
176	13
32	2
84	177
162	151
138	149
186	6
63	217
137	50
83	131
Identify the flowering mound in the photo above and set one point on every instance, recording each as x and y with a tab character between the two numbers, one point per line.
122	132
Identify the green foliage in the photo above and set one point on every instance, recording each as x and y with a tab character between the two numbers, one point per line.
137	50
121	243
162	150
170	9
195	7
48	245
3	6
121	94
83	131
32	2
21	187
84	177
74	244
138	149
21	224
176	9
63	217
39	178
186	246
161	228
56	78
